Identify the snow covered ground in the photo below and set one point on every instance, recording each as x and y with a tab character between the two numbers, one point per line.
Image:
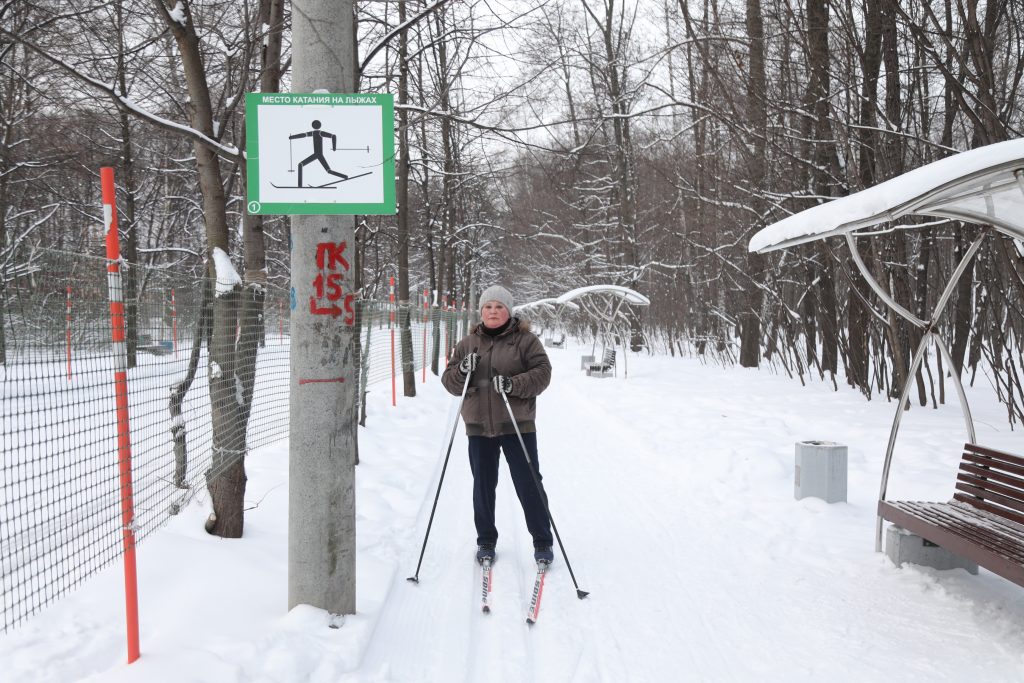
673	492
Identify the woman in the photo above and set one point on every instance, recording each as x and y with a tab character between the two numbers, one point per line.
503	357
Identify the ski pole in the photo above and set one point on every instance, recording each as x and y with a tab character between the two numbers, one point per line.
416	577
543	499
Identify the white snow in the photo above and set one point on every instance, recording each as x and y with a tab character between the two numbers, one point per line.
963	183
673	492
178	14
631	296
227	276
549	303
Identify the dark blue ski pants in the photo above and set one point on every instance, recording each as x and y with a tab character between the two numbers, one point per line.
483	460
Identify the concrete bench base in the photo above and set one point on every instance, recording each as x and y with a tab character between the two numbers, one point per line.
904	546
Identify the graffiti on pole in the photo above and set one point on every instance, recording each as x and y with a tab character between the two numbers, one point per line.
329	297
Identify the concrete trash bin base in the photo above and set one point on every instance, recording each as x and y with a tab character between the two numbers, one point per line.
820	471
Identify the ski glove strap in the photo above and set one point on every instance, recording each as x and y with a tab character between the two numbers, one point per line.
502	384
468	364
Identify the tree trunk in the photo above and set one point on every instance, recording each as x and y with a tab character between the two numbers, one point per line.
228	462
750	315
252	318
825	164
126	219
226	477
402	197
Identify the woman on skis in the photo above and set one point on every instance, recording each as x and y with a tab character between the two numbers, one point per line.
503	357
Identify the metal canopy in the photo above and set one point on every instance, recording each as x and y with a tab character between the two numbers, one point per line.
603	303
627	295
984	185
549	304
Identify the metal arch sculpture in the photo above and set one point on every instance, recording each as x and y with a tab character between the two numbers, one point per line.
984	185
602	303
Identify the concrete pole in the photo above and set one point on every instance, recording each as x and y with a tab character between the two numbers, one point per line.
321	508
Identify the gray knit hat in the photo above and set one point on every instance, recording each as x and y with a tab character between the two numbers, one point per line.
496	293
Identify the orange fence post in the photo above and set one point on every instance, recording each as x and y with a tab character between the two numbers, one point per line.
391	300
124	442
444	322
67	330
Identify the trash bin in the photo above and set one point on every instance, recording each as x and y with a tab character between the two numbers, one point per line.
820	471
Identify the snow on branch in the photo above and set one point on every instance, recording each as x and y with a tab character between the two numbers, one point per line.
227	276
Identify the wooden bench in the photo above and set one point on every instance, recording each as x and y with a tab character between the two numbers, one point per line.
555	343
605	368
985	520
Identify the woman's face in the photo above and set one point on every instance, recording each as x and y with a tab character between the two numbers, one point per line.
495	314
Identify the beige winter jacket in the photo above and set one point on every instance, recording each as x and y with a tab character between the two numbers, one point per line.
515	353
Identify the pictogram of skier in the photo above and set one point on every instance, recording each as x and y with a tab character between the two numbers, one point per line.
318	149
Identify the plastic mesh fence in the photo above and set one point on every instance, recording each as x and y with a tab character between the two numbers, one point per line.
59	483
378	320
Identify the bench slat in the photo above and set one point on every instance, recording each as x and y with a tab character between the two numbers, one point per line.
993	475
992	560
987	485
973	525
992	453
993	464
1010	505
988	507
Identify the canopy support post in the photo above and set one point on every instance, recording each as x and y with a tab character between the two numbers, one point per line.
904	394
882	294
915	365
957	274
964	407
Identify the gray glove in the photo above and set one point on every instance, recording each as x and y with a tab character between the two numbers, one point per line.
502	384
469	363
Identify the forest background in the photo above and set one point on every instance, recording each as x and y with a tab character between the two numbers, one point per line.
550	145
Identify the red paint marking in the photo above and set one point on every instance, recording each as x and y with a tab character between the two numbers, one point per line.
320	381
329	255
540	593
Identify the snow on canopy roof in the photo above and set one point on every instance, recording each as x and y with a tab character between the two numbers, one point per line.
545	303
984	185
630	296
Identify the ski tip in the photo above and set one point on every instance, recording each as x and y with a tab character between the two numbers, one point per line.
413	579
530	622
486	609
581	594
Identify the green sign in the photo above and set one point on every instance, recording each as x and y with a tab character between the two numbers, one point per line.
320	153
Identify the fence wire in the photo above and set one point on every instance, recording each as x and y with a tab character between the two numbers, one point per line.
428	330
60	494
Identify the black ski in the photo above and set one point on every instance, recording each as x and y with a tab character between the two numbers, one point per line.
325	186
538	591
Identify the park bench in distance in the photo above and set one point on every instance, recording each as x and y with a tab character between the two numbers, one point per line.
984	522
605	367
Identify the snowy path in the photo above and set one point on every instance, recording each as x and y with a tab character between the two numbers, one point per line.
673	493
678	515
